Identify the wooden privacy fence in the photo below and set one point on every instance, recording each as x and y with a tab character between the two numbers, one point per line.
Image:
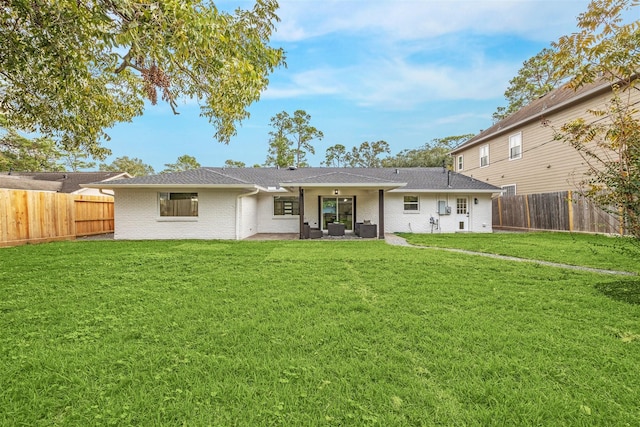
561	211
36	216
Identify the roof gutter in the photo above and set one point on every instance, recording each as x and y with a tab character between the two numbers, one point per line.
385	185
448	190
108	186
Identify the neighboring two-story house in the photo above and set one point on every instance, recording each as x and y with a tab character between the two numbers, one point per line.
520	153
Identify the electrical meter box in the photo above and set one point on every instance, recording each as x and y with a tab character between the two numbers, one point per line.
443	209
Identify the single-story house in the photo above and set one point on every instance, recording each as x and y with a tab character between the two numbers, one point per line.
235	203
59	182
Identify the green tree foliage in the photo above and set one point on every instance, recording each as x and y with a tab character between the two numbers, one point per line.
76	159
71	69
435	153
184	163
367	155
537	77
301	134
335	156
280	153
603	48
611	151
606	49
291	139
234	164
21	154
133	167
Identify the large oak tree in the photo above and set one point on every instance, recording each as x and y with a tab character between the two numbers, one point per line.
72	69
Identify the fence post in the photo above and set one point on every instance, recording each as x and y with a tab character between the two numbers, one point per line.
621	229
570	208
526	201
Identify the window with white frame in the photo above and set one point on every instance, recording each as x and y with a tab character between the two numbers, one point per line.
515	146
286	205
484	156
178	204
460	162
509	190
411	203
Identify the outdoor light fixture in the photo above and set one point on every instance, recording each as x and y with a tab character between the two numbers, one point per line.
336	192
475	200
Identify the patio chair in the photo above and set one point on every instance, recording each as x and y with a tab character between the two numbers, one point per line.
368	231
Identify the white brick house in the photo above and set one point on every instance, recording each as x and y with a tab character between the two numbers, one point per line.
235	203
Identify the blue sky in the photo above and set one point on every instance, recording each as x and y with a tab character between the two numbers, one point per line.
403	71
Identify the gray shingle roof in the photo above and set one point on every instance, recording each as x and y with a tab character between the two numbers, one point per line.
63	182
424	179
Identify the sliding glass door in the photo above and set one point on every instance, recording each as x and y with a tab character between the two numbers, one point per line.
337	209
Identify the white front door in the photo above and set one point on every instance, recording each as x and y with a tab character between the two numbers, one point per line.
462	214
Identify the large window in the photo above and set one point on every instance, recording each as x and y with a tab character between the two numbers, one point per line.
484	156
286	205
411	203
515	146
178	204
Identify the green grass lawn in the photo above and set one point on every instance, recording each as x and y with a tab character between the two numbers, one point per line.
596	251
310	333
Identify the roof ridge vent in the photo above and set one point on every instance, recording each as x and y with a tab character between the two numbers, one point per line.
292	168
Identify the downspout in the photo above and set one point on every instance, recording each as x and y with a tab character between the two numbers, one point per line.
239	209
101	190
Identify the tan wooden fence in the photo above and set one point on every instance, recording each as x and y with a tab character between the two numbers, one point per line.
36	216
561	211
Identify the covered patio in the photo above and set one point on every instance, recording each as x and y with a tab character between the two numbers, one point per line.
342	207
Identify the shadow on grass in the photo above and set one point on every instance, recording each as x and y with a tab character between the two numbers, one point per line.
626	290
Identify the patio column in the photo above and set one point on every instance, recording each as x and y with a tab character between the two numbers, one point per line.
301	209
380	214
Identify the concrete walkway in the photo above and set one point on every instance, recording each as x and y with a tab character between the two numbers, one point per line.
393	239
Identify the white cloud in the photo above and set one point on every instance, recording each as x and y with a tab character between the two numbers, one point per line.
414	19
393	83
307	83
411	52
